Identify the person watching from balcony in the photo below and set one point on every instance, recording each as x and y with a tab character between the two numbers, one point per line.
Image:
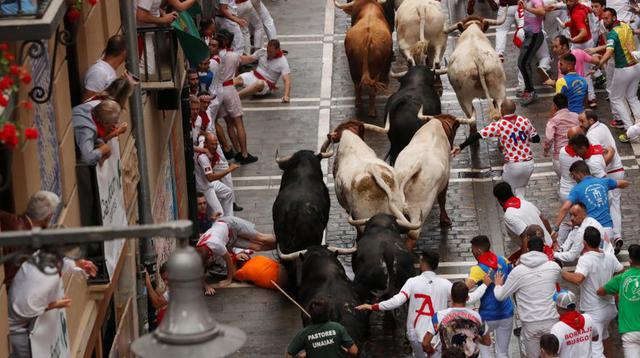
103	72
94	127
119	90
272	65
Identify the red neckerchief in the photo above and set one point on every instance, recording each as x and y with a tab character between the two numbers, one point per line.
279	54
202	216
512	202
593	150
102	131
573	319
510	117
490	259
216	58
205	120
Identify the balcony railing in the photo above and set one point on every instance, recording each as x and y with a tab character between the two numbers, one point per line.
157	50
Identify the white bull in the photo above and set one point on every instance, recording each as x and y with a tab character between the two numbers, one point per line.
365	185
420	25
423	169
474	69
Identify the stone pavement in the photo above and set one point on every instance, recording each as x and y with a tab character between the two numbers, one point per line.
322	96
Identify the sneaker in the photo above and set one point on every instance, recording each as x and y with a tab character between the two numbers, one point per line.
617	245
527	98
247	160
616	123
593	103
237	207
623	138
238	157
229	154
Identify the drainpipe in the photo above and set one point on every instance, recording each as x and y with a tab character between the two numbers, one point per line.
146	256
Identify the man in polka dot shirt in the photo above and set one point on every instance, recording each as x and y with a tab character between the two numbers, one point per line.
513	133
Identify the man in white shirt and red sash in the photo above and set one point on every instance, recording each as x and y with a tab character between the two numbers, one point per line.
272	65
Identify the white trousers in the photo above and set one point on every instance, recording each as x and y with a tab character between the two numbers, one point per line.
502	30
267	20
631	344
247	12
531	334
591	94
502	329
221	166
601	319
234	28
219	198
625	86
517	175
150	60
608	71
418	352
615	205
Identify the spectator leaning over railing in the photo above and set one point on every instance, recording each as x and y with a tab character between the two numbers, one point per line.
93	128
40	209
103	72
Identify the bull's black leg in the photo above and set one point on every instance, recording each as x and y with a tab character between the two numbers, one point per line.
442	201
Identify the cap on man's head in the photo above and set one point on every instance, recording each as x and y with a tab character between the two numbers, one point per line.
565	299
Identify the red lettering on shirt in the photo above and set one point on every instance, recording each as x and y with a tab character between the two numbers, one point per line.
421	311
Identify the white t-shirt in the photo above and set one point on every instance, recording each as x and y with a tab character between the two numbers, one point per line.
215	239
233	7
516	220
152	7
99	76
599	134
574	244
596	163
214	67
427	294
272	69
202	169
597	268
228	66
575	343
30	294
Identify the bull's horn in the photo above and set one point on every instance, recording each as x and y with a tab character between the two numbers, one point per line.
382	1
422	116
500	21
323	150
289	257
453	27
324	146
409	225
281	160
343	250
358	222
375	128
440	71
397	74
468	121
342	6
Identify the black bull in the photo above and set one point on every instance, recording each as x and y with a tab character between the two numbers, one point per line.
324	276
418	87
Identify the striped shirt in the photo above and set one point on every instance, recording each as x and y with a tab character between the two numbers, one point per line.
621	40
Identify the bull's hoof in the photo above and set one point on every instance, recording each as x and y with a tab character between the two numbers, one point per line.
445	221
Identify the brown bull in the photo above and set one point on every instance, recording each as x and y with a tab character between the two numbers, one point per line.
369	48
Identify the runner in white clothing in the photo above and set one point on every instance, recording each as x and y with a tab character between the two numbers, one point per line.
598	133
572	247
272	65
227	16
595	268
427	294
575	331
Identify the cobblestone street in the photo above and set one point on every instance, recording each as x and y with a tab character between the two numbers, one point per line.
322	96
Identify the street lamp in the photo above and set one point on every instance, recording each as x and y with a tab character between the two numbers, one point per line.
188	329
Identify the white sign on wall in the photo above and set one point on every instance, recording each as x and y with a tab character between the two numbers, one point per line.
49	336
110	188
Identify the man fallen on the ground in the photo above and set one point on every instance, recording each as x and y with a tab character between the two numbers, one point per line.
272	65
572	247
224	235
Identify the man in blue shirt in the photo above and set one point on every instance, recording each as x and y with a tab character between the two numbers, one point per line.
592	192
572	84
497	314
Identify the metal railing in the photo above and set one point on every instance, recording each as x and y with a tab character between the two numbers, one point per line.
23	8
157	50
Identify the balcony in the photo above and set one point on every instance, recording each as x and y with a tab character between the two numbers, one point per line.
158	54
24	20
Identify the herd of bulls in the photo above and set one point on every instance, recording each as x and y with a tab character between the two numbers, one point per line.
386	202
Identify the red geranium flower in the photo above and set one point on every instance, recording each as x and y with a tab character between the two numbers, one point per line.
4	46
15	69
31	133
3	101
73	14
26	105
9	56
93	2
26	78
5	83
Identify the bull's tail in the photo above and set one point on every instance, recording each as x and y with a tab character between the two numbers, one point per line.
419	49
493	111
415	169
385	187
366	80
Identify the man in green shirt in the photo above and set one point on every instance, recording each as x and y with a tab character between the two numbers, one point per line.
322	338
627	286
